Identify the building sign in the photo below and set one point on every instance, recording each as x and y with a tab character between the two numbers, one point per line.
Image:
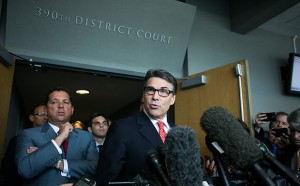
107	35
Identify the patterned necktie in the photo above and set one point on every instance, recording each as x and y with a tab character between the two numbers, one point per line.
162	132
65	146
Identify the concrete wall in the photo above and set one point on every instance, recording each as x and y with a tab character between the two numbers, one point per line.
212	44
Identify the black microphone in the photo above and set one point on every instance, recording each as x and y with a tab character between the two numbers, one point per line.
217	152
155	163
181	153
276	166
239	147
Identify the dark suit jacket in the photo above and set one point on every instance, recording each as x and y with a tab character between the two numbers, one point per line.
9	168
82	156
124	149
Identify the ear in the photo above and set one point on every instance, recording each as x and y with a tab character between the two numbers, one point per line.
173	99
89	129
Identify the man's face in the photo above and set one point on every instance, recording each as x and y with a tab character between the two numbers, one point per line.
59	108
155	105
281	122
39	117
99	127
295	135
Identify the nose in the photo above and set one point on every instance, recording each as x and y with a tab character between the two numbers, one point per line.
60	104
155	95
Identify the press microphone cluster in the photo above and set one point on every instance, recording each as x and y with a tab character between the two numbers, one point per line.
240	149
178	161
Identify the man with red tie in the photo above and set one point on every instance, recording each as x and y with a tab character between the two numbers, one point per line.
128	140
56	153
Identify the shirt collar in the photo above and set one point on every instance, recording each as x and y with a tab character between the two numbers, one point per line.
154	121
55	128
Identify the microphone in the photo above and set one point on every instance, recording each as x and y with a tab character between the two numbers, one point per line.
276	165
153	159
217	151
181	153
239	147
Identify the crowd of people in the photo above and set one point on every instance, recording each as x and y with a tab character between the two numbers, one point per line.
281	141
56	152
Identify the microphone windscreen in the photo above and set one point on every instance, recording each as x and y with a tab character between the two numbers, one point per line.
223	127
181	152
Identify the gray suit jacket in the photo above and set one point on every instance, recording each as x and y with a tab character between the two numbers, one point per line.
82	156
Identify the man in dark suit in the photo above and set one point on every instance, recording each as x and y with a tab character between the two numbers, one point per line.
40	157
128	140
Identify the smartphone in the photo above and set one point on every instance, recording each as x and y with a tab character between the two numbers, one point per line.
280	131
85	181
271	116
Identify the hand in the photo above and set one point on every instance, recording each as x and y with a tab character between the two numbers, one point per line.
210	166
63	133
260	117
272	137
283	141
31	150
67	184
60	166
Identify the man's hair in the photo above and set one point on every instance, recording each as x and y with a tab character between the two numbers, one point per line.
163	75
281	113
294	119
57	89
96	114
34	108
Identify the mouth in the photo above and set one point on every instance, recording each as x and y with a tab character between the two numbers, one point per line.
61	113
154	106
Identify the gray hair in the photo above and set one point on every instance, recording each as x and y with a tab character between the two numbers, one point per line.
294	119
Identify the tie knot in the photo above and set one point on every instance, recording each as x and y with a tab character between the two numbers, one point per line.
160	123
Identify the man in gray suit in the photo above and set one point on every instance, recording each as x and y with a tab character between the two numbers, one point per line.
40	156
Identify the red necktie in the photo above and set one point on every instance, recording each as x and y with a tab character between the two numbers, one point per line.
65	146
162	132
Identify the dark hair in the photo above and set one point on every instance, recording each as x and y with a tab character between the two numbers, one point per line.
33	109
161	74
57	89
281	113
94	116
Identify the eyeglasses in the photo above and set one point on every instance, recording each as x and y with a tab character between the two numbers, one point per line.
40	114
163	92
104	123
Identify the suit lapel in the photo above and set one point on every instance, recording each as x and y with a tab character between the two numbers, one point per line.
49	132
147	130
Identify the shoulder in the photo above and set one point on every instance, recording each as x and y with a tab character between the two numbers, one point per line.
139	119
32	130
81	132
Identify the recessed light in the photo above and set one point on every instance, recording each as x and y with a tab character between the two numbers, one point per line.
82	92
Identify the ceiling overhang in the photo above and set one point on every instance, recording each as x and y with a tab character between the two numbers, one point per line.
248	15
